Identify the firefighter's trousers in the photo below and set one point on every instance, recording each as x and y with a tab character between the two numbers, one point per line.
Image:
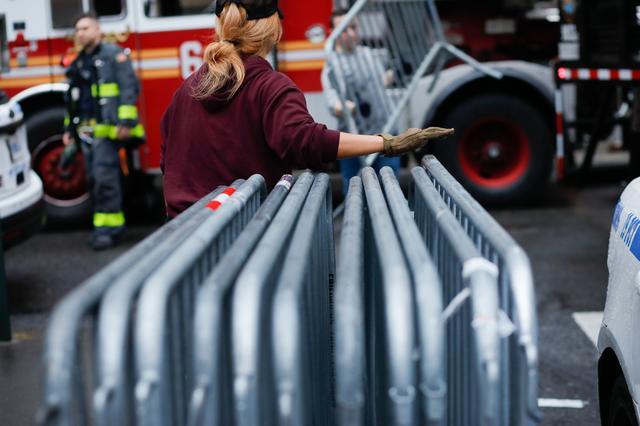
105	184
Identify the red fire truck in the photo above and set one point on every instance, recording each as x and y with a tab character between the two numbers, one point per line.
166	39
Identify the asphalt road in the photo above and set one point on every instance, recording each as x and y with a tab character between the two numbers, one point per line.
565	234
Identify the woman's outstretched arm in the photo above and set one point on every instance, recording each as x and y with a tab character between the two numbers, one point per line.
351	145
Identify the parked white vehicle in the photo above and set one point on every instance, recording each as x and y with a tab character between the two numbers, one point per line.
619	341
21	194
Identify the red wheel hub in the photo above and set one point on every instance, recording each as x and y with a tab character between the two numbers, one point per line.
494	152
61	185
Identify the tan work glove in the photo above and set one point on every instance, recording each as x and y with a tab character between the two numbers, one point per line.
412	139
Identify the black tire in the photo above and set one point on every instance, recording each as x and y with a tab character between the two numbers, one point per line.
44	132
502	149
621	411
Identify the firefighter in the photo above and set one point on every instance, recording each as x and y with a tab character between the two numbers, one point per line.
101	101
236	116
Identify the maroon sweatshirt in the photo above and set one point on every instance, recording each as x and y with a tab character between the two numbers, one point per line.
265	128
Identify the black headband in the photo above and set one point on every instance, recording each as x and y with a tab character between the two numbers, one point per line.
256	9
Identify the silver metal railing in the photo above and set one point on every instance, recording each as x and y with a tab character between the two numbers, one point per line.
428	303
162	337
114	395
349	326
473	355
212	397
65	376
519	367
301	325
231	316
251	315
389	303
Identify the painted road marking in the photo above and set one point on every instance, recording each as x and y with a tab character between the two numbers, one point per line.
561	403
590	323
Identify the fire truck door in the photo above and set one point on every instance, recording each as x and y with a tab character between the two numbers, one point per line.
170	41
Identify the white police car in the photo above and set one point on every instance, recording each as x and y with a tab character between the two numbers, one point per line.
619	339
21	193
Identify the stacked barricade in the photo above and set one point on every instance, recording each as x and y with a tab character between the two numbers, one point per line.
236	314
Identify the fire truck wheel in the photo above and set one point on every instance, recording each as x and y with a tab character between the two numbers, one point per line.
501	150
66	196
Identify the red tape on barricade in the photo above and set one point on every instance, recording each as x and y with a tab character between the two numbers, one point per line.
220	199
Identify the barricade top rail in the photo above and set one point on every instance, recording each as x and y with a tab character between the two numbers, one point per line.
515	264
60	347
349	326
492	231
429	299
449	226
398	320
210	317
252	289
300	328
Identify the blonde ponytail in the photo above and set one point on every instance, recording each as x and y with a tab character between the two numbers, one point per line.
236	37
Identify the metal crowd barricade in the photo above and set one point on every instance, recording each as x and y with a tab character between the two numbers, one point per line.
162	341
65	375
398	43
113	398
389	303
212	396
519	361
349	318
253	381
473	353
301	325
428	302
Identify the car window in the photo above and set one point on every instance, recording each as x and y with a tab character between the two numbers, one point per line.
63	12
162	8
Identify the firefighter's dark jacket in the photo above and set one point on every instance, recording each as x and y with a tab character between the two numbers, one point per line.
114	90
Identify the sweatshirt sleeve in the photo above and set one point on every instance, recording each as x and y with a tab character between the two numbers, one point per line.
292	133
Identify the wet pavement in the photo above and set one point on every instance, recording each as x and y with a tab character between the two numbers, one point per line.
565	235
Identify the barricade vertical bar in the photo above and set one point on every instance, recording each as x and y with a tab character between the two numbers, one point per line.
211	400
253	385
519	367
60	356
349	326
396	321
428	304
301	317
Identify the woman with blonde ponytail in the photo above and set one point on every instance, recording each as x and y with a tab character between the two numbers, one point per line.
236	116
